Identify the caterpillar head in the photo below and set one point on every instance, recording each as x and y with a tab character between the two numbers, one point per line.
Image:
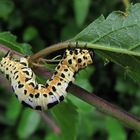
83	57
78	58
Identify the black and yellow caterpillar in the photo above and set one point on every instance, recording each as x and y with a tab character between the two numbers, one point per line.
38	96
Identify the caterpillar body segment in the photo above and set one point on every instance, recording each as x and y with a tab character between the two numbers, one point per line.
38	96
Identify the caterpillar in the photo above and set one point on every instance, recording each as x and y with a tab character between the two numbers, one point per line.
38	96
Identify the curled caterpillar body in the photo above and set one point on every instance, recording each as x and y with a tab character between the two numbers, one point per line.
38	96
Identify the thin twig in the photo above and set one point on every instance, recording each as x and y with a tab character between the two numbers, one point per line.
63	45
4	83
37	64
126	4
4	50
49	60
54	48
51	122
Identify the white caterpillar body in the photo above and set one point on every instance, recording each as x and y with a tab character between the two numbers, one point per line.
38	96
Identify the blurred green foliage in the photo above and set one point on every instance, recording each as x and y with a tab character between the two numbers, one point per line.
41	23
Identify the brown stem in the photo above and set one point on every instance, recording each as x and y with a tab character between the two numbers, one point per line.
4	50
106	107
51	122
4	83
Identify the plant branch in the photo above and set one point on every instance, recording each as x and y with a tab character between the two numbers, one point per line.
4	50
106	107
63	45
51	122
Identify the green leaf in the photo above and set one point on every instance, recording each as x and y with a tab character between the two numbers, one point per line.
81	8
14	24
82	78
135	136
6	7
9	40
30	33
28	123
87	123
25	48
126	87
67	117
52	136
13	109
80	104
114	127
116	38
69	30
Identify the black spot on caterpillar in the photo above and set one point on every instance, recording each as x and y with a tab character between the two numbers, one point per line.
35	95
